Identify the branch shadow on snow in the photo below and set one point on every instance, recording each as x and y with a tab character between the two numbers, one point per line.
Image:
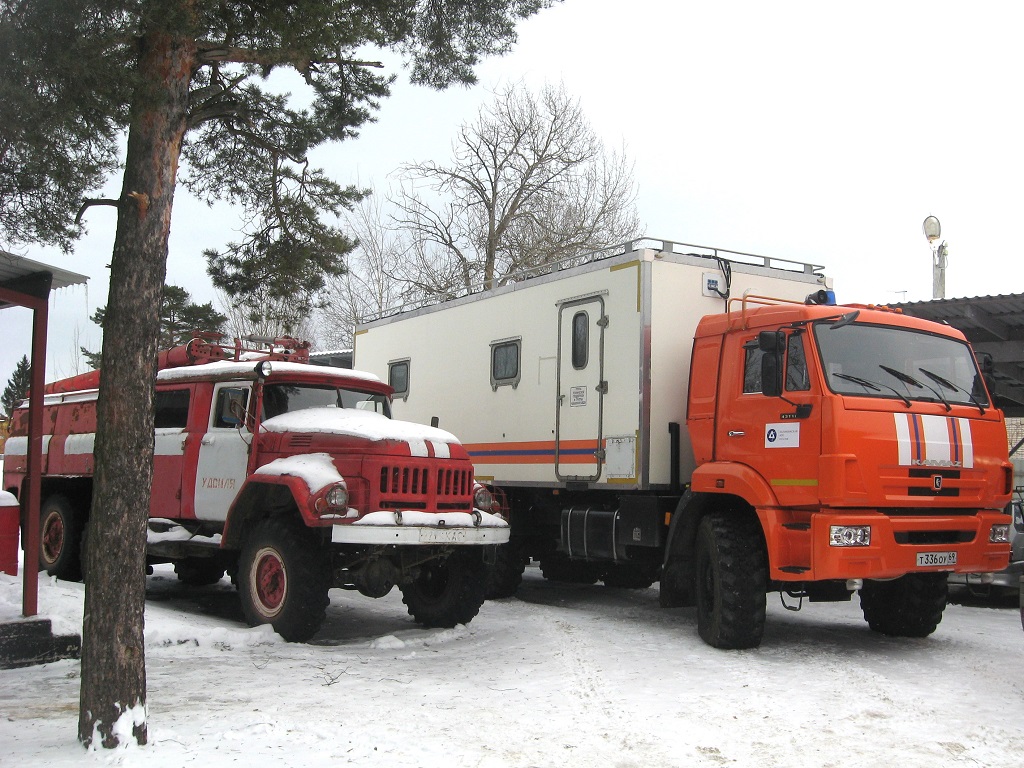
351	618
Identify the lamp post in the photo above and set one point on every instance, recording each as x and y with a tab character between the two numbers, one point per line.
932	230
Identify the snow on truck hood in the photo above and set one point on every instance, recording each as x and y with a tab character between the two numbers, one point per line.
317	470
366	424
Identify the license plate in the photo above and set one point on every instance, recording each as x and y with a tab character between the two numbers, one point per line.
442	535
925	559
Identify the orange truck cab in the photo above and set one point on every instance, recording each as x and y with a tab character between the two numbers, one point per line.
864	443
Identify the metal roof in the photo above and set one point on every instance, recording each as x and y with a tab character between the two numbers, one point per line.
17	272
995	327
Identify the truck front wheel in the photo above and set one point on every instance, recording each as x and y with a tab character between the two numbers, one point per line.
505	574
60	539
910	606
731	580
447	592
283	579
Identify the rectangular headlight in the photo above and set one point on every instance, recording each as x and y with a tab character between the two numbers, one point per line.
849	535
1000	534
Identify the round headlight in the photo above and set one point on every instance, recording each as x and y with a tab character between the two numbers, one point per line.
483	499
337	497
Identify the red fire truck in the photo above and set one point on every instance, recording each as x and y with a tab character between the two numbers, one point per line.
291	477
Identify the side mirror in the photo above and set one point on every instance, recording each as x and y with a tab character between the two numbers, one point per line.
772	344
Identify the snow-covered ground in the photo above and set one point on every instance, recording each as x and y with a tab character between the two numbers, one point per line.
558	676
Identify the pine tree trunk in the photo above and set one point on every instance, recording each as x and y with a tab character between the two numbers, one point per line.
113	651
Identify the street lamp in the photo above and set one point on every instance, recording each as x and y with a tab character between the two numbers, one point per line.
932	230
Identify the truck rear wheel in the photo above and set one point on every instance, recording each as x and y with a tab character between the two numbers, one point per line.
283	579
910	606
447	592
60	539
505	574
731	578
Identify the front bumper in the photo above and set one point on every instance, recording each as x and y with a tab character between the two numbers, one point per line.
803	553
414	528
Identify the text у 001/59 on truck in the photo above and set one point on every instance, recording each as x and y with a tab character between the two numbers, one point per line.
292	477
653	416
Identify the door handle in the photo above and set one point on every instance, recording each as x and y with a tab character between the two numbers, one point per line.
736	433
206	440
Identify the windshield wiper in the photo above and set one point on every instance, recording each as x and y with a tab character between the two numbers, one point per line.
951	386
906	378
872	385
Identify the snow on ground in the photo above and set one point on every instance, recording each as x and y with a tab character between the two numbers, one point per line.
561	675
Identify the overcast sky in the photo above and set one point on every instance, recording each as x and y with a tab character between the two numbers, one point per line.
797	130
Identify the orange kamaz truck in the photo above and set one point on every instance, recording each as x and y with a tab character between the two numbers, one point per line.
713	421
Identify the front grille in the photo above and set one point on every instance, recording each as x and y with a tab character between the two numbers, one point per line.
928	511
933	537
407	481
423	485
453	482
947	480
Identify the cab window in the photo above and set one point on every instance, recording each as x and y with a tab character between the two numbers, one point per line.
797	379
752	368
230	407
171	409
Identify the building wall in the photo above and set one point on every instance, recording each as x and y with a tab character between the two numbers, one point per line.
1014	433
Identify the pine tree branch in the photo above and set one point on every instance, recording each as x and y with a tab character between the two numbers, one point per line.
210	52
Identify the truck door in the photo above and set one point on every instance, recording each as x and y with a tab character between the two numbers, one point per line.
781	440
171	411
580	388
223	452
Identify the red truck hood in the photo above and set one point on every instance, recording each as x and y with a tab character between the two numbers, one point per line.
367	425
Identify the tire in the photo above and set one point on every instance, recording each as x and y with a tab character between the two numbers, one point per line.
447	592
60	539
505	574
730	581
199	571
910	606
628	577
283	579
561	568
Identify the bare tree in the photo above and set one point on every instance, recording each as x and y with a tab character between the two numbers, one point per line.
274	317
529	184
372	283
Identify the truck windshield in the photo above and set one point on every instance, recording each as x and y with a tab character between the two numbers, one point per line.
883	361
286	398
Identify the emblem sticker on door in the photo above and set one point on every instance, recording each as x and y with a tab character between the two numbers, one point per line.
577	396
782	435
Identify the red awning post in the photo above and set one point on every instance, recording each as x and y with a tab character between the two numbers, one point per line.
30	577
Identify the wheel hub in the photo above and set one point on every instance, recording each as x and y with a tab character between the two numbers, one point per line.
52	538
269	580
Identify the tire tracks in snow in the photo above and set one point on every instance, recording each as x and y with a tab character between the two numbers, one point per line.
598	706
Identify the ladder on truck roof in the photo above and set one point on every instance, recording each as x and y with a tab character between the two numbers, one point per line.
722	256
